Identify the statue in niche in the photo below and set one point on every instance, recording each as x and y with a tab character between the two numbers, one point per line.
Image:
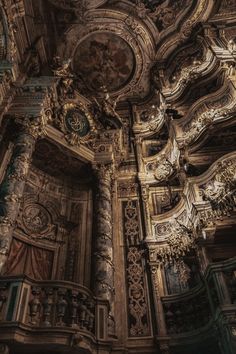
106	110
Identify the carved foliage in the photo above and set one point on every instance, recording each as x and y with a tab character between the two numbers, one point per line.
180	240
138	313
220	191
164	164
206	115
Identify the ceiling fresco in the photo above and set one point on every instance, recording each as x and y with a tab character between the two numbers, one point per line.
104	59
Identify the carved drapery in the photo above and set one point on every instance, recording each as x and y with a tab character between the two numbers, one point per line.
12	187
35	262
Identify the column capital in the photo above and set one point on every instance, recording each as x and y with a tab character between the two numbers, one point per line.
33	125
104	170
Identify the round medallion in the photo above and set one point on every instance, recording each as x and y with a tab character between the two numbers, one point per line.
76	122
36	218
104	59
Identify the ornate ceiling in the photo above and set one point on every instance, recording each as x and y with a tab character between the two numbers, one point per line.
142	95
104	59
116	43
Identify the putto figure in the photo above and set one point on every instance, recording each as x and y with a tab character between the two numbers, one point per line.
105	110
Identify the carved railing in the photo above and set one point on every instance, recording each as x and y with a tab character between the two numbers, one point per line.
51	304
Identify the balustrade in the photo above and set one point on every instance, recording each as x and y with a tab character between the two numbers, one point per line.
52	304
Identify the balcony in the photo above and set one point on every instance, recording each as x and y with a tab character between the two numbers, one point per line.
57	315
206	311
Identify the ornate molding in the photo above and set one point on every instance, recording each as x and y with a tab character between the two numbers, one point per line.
76	122
220	191
101	22
206	198
201	11
179	241
161	166
201	66
150	117
213	109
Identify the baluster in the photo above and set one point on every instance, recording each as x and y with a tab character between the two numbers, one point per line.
90	306
47	306
87	314
74	308
61	306
3	298
35	304
82	310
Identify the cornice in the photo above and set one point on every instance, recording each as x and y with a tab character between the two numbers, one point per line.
207	111
204	199
201	13
160	167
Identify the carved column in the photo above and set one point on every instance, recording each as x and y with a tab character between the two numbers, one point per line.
162	336
103	246
12	187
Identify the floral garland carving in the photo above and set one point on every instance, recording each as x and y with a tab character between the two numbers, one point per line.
139	324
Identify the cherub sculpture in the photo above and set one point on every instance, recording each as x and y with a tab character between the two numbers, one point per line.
106	110
61	69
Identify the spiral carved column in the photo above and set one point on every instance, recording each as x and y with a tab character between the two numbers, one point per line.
12	187
103	246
